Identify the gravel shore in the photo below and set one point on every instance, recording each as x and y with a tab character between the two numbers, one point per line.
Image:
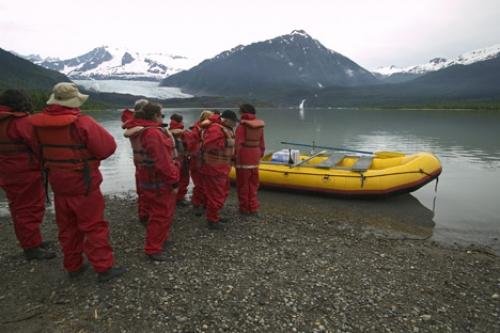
298	267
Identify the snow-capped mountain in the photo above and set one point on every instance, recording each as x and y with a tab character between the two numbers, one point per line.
118	63
440	63
294	60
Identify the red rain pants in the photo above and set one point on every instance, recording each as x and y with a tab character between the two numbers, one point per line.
247	184
216	189
82	229
26	197
161	209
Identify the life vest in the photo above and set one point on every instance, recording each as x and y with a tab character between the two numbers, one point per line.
8	146
225	155
143	160
254	130
60	148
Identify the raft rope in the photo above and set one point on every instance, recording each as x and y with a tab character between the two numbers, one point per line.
330	175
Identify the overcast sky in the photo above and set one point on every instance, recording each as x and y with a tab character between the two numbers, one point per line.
373	33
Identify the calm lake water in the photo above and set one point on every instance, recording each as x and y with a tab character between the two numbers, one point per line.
465	208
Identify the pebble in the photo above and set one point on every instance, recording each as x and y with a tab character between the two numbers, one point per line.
426	317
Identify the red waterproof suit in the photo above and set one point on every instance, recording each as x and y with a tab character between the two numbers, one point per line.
182	158
217	153
20	176
128	117
72	146
193	145
250	148
157	177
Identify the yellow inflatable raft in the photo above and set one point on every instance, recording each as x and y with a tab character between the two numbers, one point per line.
380	174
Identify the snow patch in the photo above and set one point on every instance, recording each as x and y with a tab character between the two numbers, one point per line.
436	64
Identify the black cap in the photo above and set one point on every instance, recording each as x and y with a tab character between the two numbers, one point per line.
228	114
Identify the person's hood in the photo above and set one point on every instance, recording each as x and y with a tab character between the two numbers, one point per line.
175	125
140	122
56	109
130	132
4	108
248	116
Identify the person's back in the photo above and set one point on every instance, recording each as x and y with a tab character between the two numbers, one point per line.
96	144
72	145
157	176
217	148
192	138
20	175
217	158
176	127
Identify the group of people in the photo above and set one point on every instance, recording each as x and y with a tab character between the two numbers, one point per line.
62	147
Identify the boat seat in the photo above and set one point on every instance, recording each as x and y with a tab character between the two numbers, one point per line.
332	161
362	164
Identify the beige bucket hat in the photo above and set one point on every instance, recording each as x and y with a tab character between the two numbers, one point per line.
67	94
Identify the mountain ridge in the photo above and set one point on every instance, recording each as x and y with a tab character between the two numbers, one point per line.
105	62
293	60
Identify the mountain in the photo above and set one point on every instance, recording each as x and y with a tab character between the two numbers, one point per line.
295	60
20	73
458	84
117	63
393	74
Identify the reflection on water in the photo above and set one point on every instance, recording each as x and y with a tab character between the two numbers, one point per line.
467	143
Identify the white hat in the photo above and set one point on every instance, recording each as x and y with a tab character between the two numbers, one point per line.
67	94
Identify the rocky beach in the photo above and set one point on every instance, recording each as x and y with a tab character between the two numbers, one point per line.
294	268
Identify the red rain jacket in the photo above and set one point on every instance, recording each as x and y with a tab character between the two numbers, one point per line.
159	147
19	130
214	139
250	146
97	141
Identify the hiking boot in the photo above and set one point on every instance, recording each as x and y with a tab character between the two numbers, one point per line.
83	268
38	253
110	274
215	225
160	256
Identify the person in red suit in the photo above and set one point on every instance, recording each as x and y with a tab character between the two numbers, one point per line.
192	138
127	116
20	175
250	149
217	152
72	145
157	176
176	127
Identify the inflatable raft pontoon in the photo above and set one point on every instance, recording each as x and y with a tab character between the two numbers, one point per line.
336	173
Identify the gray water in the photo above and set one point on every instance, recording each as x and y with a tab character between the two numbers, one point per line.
465	208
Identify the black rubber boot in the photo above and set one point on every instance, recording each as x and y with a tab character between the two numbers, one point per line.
38	253
111	274
160	256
